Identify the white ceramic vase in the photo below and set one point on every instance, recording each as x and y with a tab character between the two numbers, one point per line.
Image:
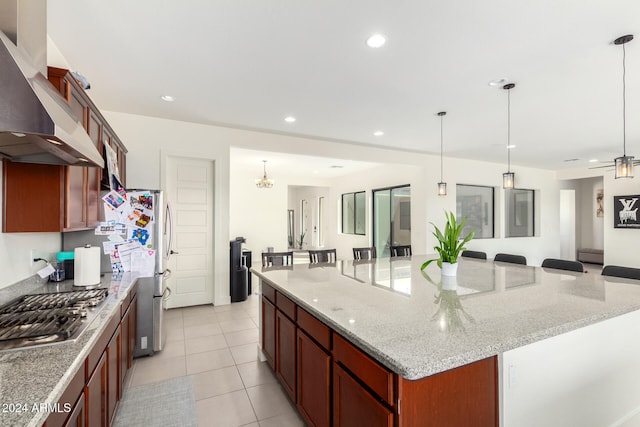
449	269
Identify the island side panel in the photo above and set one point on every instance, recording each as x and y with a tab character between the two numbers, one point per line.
463	396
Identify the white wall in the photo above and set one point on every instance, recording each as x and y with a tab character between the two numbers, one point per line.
15	252
588	377
311	196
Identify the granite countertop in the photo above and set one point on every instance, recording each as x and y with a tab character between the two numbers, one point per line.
415	325
39	375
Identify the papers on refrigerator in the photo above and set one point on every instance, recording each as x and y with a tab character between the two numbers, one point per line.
143	262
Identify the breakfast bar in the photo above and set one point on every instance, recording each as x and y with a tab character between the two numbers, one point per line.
493	342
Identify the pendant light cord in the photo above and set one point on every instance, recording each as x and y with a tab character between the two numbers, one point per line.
509	130
624	102
441	162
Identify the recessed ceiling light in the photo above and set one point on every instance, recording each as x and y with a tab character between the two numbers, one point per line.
289	119
593	160
376	41
498	82
378	133
167	98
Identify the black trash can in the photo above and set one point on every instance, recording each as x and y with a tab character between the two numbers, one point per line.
238	272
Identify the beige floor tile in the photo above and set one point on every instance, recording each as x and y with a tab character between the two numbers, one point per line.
172	348
173	313
222	308
242	337
197	310
216	382
291	419
225	316
173	322
202	344
269	400
203	330
153	369
251	425
256	373
245	353
237	325
208	361
200	320
227	410
175	334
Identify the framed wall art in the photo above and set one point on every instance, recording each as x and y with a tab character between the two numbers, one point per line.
625	211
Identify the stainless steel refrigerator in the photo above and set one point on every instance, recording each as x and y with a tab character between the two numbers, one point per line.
152	291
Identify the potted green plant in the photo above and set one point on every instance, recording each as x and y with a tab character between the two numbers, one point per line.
301	239
450	244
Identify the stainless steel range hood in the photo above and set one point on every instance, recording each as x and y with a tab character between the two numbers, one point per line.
36	123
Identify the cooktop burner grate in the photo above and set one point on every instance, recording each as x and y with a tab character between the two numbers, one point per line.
46	318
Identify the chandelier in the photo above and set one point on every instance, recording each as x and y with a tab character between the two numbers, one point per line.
264	182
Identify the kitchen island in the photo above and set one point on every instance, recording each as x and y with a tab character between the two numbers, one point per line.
42	383
476	334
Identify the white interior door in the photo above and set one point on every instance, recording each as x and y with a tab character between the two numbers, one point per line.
189	188
568	224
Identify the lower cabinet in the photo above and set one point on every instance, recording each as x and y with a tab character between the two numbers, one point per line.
314	381
269	331
355	406
94	402
96	395
286	354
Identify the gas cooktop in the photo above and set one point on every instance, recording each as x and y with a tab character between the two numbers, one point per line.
47	318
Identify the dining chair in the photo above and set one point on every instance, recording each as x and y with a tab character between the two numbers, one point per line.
270	259
474	254
622	272
322	256
364	253
401	250
563	264
513	259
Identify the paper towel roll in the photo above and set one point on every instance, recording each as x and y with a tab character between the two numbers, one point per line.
86	271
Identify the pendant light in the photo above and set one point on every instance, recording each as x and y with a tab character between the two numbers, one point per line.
442	186
624	164
264	182
508	178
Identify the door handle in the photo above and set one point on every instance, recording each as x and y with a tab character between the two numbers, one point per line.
172	252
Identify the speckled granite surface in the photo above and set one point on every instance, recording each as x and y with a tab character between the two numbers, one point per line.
417	326
39	375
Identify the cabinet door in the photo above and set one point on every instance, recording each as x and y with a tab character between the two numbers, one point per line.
354	406
75	198
94	175
77	417
269	331
313	393
113	373
133	330
286	353
96	395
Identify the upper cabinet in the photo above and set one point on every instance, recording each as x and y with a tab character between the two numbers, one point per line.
50	198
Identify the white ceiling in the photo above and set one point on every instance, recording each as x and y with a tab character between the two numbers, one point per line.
249	64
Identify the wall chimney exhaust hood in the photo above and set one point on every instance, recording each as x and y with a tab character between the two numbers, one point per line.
36	123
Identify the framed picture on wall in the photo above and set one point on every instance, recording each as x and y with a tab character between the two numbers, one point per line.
600	203
625	211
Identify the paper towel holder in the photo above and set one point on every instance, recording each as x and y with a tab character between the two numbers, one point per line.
80	280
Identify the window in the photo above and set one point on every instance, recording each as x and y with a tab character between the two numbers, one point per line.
519	214
391	218
321	221
353	213
475	203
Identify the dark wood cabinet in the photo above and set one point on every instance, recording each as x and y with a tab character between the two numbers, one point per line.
354	406
114	381
269	331
71	192
286	354
334	383
77	416
314	381
96	395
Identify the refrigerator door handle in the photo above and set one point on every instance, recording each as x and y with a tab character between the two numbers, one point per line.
168	229
166	294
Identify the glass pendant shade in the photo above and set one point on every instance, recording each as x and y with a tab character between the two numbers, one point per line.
442	189
624	167
508	180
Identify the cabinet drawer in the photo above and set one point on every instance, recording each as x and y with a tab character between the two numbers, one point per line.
314	328
376	377
286	306
268	292
96	353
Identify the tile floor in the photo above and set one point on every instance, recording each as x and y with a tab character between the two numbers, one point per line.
217	348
